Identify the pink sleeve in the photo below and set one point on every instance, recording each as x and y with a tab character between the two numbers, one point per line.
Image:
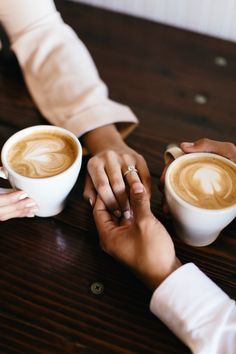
59	71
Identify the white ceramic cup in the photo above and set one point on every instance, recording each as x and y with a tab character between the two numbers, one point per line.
195	226
49	193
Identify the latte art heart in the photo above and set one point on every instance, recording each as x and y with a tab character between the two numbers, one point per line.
209	179
205	182
42	155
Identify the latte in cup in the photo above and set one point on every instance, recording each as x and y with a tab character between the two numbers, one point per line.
42	154
205	181
44	161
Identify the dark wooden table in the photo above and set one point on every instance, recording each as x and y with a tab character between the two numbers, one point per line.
47	265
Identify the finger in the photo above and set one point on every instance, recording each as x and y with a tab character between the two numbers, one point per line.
139	201
132	176
106	224
118	187
103	188
89	191
26	207
103	218
162	178
28	213
225	149
144	174
12	197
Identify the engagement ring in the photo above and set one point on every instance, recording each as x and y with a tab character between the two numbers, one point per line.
131	168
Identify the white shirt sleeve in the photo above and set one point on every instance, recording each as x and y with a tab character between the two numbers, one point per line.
197	311
58	69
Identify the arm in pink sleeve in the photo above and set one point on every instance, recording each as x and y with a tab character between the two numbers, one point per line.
58	69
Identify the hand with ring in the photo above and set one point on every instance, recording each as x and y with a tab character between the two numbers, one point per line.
114	166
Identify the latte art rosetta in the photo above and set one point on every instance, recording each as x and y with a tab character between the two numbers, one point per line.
205	182
42	155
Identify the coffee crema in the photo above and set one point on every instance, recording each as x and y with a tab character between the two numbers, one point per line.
42	154
205	182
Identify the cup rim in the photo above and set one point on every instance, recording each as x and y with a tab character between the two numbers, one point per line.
33	128
182	201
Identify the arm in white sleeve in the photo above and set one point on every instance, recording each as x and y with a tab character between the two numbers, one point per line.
197	311
58	69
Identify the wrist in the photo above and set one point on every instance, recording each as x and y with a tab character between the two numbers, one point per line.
155	279
103	138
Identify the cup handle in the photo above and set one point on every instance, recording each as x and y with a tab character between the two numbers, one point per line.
3	174
172	152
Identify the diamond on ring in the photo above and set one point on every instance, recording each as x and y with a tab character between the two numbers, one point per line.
131	168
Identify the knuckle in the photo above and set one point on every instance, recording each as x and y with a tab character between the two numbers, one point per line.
118	186
145	226
140	158
101	185
204	141
93	162
110	154
126	157
142	225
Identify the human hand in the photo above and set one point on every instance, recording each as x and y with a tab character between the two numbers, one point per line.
106	169
142	243
16	205
225	149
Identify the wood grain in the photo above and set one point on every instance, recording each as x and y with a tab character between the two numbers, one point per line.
48	265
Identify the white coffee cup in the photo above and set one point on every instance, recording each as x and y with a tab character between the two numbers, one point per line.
194	225
49	193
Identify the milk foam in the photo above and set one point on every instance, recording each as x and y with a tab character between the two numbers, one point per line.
41	155
207	183
208	178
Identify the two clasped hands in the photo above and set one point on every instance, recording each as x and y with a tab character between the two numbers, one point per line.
202	316
127	228
118	189
141	241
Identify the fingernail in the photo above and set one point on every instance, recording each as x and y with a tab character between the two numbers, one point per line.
117	213
30	204
22	196
127	214
138	188
91	202
187	144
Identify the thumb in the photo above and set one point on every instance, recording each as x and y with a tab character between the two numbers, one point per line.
139	200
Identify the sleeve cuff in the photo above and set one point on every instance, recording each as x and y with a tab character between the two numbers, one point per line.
193	307
108	112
